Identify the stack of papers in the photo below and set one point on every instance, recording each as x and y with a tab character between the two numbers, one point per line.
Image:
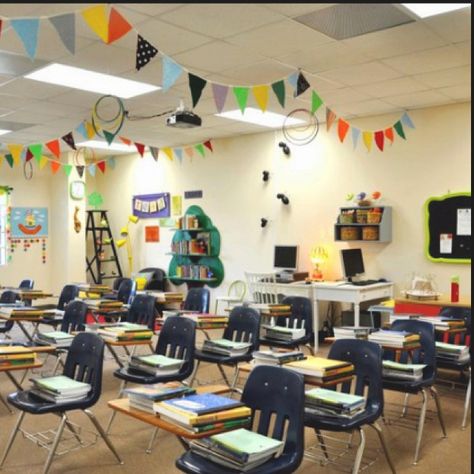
13	312
320	401
282	333
226	347
15	356
443	324
352	332
206	320
320	370
452	352
396	370
395	339
60	389
276	358
156	364
125	332
56	338
103	304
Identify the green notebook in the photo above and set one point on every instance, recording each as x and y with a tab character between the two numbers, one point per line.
389	364
230	344
156	360
337	398
450	347
60	384
57	335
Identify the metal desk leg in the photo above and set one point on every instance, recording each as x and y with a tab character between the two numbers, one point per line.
25	332
14	381
115	355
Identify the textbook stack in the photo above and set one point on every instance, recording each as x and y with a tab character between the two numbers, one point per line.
170	297
20	312
15	356
276	358
55	338
351	332
320	401
443	324
143	397
205	320
155	364
282	333
204	413
320	371
103	304
452	352
226	347
125	332
240	449
395	339
396	370
272	309
60	389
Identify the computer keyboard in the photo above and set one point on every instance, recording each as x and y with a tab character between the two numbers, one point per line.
364	282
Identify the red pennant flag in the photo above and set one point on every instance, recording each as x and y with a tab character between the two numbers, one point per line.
54	148
55	165
127	141
379	139
29	155
1	21
101	166
140	148
208	144
330	117
389	134
342	129
118	26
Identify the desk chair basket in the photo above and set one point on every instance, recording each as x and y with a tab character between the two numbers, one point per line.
7	297
83	363
197	299
366	358
273	393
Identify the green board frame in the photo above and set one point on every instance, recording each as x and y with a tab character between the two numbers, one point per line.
451	202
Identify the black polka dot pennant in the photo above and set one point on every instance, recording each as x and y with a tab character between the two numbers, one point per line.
145	52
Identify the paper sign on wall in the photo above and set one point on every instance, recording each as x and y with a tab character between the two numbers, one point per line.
463	226
446	243
176	205
148	206
28	222
152	233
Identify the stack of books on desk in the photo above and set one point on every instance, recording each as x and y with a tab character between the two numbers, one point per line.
443	324
240	449
395	317
276	358
273	309
352	332
171	297
143	397
395	339
226	347
20	312
103	304
56	338
54	314
125	332
204	412
282	333
452	352
15	356
320	371
396	370
60	389
206	320
321	401
155	364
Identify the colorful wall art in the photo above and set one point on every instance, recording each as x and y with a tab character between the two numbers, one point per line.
147	206
29	222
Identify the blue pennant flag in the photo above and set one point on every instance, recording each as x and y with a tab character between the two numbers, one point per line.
112	162
171	72
82	130
293	79
406	120
355	135
92	169
179	154
27	31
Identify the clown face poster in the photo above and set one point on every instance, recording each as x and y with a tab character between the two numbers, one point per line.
29	222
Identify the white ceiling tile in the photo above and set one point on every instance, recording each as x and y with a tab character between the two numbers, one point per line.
341	96
28	116
460	92
29	88
266	72
150	9
296	9
4	112
390	87
445	78
453	26
368	107
418	99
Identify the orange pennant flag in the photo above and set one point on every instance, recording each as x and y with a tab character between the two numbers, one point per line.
15	151
55	165
367	137
96	18
54	147
389	134
261	96
118	26
189	151
168	152
330	117
127	141
342	129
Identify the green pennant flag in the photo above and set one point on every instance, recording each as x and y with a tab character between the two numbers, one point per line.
241	95
200	149
67	169
36	150
399	129
196	85
9	159
279	90
109	137
316	102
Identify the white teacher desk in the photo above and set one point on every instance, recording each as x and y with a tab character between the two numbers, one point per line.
345	293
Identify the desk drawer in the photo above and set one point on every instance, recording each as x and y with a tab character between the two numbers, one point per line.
375	294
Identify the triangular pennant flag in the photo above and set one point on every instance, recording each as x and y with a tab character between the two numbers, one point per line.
140	148
379	139
69	139
81	128
90	130
293	79
118	26
171	72
91	169
55	165
9	159
208	145
43	162
220	95
67	169
101	166
355	136
80	170
154	152
27	31
389	134
196	86
109	137
111	163
168	152
96	18
301	85
342	129
189	151
179	154
1	156
367	138
65	25
406	120
15	151
127	141
399	129
279	90
29	155
54	147
200	149
330	117
241	95
261	96
145	52
316	102
1	23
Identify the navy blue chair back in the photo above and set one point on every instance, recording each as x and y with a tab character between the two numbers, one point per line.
197	300
27	284
127	290
177	339
68	293
142	311
158	280
8	297
74	319
84	363
278	393
243	326
301	314
116	283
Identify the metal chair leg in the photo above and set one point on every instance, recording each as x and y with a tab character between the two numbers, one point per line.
149	449
311	349
322	443
435	395
54	446
467	402
193	375
405	405
12	438
379	431
234	381
360	452
421	424
103	434
223	374
114	412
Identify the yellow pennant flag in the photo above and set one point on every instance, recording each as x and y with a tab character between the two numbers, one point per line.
367	138
90	130
1	160
43	162
168	152
261	96
96	18
15	151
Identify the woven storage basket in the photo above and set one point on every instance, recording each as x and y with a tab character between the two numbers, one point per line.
349	233
346	218
361	216
370	233
374	217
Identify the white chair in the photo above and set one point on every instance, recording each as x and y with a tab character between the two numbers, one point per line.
235	294
262	287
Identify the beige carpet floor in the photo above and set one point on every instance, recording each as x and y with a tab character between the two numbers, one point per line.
130	437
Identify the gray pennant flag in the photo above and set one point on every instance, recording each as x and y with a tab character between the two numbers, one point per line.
154	152
66	27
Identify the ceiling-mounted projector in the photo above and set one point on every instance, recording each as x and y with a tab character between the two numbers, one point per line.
183	118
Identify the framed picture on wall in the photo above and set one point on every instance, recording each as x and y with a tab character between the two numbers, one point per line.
28	222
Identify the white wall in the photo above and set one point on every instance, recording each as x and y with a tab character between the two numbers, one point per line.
433	160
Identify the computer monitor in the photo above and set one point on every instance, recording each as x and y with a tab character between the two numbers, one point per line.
352	263
286	257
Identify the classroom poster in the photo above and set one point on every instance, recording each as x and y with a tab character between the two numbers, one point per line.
28	222
149	206
176	205
152	233
446	243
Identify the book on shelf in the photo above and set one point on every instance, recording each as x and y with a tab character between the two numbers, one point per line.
57	338
60	389
453	352
156	364
276	358
14	356
352	332
282	333
320	367
331	402
226	347
397	370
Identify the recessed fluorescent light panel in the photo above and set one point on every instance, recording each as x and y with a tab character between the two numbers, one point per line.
105	146
424	10
91	81
3	132
257	117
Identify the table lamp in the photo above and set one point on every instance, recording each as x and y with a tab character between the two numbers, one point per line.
318	256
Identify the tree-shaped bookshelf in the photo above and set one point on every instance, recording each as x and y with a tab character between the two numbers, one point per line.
195	248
